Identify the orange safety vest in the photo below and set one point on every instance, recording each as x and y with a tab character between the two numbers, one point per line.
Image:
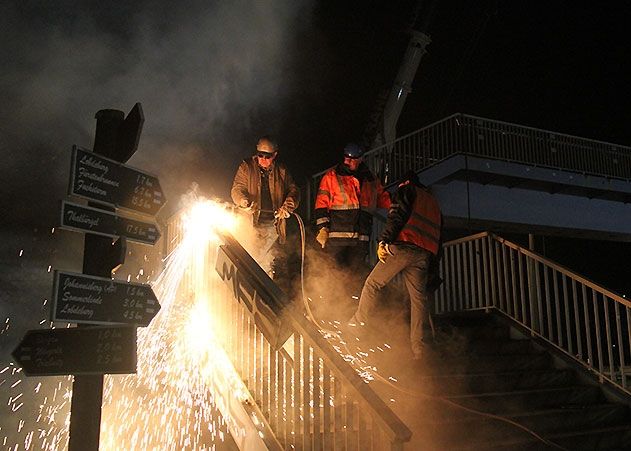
340	200
423	226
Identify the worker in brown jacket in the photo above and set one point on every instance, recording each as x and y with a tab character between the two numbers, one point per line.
264	187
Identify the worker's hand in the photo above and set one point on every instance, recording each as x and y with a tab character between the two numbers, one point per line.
383	251
246	205
323	236
282	213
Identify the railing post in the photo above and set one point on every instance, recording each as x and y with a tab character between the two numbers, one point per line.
532	288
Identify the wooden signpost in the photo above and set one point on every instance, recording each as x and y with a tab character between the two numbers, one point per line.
106	311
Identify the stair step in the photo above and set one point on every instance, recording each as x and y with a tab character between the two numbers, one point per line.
459	345
504	347
465	319
477	332
617	438
515	401
475	365
483	430
448	408
612	438
482	364
494	382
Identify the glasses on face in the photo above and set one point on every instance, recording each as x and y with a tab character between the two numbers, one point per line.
265	155
346	157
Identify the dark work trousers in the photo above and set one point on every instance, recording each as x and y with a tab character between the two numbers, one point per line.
351	260
412	262
282	260
350	257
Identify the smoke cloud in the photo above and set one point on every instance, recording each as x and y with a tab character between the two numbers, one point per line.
208	74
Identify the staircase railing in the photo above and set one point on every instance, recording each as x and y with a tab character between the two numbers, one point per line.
587	322
463	133
304	392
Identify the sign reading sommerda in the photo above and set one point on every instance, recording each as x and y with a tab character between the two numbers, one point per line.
79	298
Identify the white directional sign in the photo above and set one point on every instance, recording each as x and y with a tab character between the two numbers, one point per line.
88	350
87	219
78	298
97	178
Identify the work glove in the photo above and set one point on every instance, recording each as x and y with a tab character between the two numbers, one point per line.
281	213
383	251
323	236
246	204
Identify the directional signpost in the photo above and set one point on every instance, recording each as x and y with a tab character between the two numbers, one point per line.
78	298
93	297
100	222
87	350
97	178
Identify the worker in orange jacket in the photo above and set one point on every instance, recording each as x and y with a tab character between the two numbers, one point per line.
409	244
348	195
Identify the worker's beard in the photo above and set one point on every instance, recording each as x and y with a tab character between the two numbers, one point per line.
346	169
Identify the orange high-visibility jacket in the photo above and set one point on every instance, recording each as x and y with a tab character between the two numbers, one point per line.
414	218
344	201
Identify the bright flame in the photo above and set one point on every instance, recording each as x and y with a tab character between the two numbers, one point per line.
185	379
204	218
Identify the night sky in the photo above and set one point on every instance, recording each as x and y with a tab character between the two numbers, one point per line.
214	76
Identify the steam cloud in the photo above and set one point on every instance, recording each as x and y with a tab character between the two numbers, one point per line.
206	73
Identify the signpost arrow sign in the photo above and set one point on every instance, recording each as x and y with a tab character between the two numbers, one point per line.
78	298
88	219
86	350
95	177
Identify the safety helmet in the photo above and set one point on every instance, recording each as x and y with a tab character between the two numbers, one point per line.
267	145
352	150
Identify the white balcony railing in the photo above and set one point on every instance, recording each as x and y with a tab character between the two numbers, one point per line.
585	321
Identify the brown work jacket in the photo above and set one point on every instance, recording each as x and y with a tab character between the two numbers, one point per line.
282	188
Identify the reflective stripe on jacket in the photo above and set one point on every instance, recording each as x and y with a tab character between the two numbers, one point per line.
343	204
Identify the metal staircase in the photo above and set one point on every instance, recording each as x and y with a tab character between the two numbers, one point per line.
556	360
506	374
520	338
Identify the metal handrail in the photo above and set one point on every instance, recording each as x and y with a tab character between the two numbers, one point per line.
582	319
396	431
305	392
472	135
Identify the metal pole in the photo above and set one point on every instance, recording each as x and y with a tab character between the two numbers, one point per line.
532	287
100	258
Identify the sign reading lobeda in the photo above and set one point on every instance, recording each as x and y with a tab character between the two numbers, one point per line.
86	350
97	178
78	298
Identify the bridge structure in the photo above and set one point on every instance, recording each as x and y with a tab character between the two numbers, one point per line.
493	175
302	393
